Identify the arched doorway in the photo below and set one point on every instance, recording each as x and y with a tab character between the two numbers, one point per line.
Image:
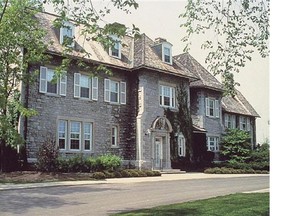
160	135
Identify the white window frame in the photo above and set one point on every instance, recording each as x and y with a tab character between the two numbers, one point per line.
115	136
181	145
82	137
63	30
77	133
215	140
214	104
244	120
171	96
166	45
61	83
92	85
117	43
229	121
65	134
121	93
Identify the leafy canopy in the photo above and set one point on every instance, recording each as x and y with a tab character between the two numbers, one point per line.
239	27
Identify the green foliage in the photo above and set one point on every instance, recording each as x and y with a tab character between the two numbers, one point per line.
47	156
109	162
239	28
235	146
226	170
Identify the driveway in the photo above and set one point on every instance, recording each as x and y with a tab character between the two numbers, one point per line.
105	198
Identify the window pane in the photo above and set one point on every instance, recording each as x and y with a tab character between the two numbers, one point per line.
114	97
52	87
75	144
75	127
166	101
87	145
84	92
84	81
61	143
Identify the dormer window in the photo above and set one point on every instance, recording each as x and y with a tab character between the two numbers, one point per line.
167	52
115	50
67	33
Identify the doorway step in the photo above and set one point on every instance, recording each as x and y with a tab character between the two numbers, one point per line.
172	171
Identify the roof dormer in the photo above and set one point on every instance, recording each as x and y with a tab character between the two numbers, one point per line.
67	34
115	49
164	49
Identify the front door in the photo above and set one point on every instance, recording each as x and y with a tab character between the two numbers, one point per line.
158	152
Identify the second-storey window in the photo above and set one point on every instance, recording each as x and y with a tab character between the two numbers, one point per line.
230	121
212	107
49	83
244	123
213	143
85	86
167	96
114	91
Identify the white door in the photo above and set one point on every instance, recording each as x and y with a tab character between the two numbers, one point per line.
158	153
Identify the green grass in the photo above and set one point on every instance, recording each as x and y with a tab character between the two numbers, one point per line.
252	204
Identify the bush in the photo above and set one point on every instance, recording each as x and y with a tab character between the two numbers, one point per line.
47	155
225	170
109	162
98	175
125	173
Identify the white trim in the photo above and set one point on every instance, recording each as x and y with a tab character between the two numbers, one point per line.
95	88
166	45
123	92
43	80
117	41
77	85
172	96
63	84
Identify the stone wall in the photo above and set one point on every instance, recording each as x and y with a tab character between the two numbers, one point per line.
102	114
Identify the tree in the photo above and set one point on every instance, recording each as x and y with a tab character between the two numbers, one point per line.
235	146
22	44
240	28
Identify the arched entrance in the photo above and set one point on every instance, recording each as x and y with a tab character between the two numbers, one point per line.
160	135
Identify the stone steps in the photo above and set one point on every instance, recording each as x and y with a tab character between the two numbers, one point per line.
172	171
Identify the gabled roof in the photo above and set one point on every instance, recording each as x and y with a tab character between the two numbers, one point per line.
136	53
206	79
238	104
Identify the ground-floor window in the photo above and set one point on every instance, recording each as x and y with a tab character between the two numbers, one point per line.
75	135
181	145
114	136
213	143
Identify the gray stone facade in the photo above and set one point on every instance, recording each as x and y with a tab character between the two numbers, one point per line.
102	115
149	110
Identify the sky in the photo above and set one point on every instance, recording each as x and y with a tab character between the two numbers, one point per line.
158	18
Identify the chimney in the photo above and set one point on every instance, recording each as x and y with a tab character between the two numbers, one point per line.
160	40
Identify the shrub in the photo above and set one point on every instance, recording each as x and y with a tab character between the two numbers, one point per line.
125	173
235	145
225	170
98	175
109	162
47	155
156	173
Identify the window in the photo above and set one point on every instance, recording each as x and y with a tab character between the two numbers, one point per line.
213	144
230	121
115	50
114	136
244	123
212	108
67	33
75	132
62	131
167	96
167	52
87	136
85	86
114	91
74	135
181	145
49	83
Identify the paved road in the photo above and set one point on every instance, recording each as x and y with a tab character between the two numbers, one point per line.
105	199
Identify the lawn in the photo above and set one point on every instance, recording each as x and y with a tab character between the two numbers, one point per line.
252	204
